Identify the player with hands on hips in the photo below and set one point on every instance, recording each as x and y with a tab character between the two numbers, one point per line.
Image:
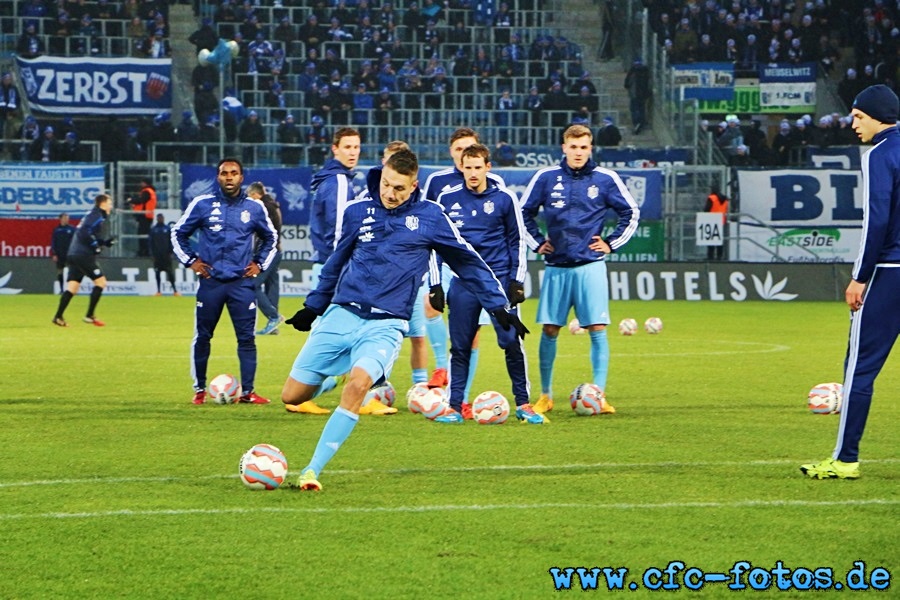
575	197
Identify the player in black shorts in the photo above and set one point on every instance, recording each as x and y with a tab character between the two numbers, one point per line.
89	239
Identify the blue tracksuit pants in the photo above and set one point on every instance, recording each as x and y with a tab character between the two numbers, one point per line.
873	330
239	296
464	310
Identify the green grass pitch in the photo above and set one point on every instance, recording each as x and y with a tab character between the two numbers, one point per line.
112	485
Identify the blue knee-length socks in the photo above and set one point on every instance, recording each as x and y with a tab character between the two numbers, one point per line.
338	428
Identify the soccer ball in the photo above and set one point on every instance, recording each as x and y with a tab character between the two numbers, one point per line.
628	327
490	408
224	389
384	393
588	399
826	398
653	325
412	396
575	327
263	467
430	404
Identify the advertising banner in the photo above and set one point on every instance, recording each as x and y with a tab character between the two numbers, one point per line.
802	216
97	86
705	81
47	189
785	87
717	282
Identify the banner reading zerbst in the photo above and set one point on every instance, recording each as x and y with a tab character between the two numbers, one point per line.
97	86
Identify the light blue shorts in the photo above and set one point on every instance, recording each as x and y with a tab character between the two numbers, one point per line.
417	318
584	288
340	340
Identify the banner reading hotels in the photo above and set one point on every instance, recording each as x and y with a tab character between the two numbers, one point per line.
816	215
97	86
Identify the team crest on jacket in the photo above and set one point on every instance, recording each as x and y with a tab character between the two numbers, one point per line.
412	222
488	207
593	192
245	216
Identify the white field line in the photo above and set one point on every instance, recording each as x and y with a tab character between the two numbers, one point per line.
429	470
451	508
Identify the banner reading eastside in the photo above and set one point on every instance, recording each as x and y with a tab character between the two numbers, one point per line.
107	86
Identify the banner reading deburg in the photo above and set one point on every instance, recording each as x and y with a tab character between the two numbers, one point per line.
97	86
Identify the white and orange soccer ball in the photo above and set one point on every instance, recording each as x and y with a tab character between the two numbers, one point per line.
412	397
653	325
588	399
432	403
263	467
224	389
384	393
490	408
826	398
575	327
628	326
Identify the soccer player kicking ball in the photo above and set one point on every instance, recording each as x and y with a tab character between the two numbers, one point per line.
576	196
488	217
874	291
365	293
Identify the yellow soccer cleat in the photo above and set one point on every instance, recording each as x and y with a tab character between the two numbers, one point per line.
544	404
308	481
377	408
831	468
307	408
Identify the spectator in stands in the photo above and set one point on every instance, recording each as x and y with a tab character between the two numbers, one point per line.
534	104
849	87
332	62
741	157
637	82
387	78
755	139
458	37
845	136
251	27
106	10
731	137
504	114
161	137
155	46
205	37
288	136
801	133
133	150
187	134
432	36
782	144
324	103
432	11
136	33
90	45
482	70
210	136
45	148
261	52
205	102
608	135
9	109
685	42
202	75
585	104
385	105
363	105
706	51
311	33
319	140
33	9
29	44
28	134
439	90
556	101
822	135
342	106
414	22
749	57
226	13
285	32
366	76
251	134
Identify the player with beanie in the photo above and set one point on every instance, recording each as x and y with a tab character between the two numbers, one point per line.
874	290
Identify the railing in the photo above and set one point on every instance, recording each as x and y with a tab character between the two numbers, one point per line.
741	219
15	149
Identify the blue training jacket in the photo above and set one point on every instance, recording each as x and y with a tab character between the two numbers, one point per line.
492	224
376	269
331	191
227	242
441	181
880	241
88	235
576	203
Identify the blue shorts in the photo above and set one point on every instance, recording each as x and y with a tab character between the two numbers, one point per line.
584	287
417	318
340	340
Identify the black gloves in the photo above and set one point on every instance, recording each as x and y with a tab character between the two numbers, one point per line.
436	297
302	319
109	243
508	319
515	292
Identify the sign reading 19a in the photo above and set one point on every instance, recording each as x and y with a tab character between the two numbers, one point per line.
710	229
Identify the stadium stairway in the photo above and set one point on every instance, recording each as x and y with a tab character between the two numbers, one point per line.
184	58
581	21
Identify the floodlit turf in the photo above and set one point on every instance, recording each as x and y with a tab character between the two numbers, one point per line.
114	485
